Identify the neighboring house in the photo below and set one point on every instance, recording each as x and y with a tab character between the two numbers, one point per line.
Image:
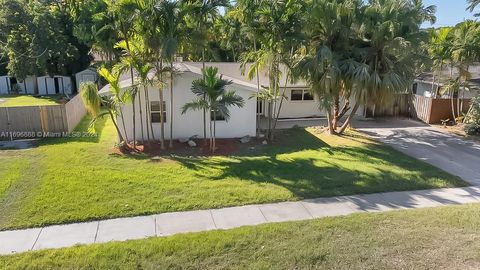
433	85
432	102
9	85
87	75
299	103
54	85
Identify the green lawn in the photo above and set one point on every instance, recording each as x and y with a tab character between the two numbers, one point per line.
436	238
27	100
68	180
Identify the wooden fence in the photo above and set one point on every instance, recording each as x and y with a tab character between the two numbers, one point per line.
421	108
32	121
428	110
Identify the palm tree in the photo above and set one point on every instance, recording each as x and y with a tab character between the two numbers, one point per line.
213	97
465	51
472	4
330	29
278	21
124	13
118	97
94	102
171	38
245	12
439	49
151	29
137	58
228	31
390	35
204	13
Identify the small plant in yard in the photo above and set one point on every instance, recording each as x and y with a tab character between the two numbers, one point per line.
94	102
213	97
445	122
472	119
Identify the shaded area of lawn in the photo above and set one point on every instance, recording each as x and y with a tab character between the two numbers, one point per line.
310	165
27	100
437	238
79	179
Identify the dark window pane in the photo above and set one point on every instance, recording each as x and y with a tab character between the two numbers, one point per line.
259	107
307	95
155	117
296	95
155	106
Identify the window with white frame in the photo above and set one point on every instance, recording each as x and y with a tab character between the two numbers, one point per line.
155	111
301	95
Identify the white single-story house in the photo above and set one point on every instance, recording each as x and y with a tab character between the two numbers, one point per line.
87	75
299	104
10	85
48	85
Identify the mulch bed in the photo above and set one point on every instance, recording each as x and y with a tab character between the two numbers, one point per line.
224	147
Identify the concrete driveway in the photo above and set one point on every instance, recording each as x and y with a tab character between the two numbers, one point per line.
448	152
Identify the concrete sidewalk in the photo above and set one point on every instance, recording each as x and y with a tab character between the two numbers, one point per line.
226	218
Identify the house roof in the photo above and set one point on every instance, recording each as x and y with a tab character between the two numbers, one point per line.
88	70
443	76
229	71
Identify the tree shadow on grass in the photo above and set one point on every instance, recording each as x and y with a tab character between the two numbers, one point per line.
315	175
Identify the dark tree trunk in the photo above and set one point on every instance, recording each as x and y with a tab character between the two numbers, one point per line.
349	119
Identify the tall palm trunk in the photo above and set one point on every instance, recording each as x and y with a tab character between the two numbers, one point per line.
269	111
141	115
211	135
329	122
214	131
162	121
122	118
275	95
452	93
147	113
204	111
134	119
336	112
171	103
114	121
277	115
349	119
258	90
127	43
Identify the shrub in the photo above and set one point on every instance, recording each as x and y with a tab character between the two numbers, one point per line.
472	119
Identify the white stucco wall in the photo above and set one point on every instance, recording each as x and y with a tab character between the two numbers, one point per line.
241	123
299	108
304	108
46	85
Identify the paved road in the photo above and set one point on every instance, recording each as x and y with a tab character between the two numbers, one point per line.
448	152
